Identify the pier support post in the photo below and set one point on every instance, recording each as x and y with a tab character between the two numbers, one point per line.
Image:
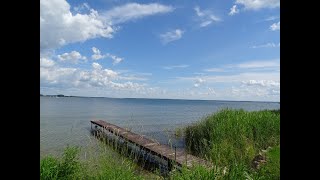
170	166
175	152
186	158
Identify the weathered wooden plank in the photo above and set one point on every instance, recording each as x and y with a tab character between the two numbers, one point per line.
179	157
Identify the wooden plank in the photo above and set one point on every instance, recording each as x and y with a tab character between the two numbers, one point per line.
164	151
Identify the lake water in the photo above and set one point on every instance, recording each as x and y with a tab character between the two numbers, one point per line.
66	120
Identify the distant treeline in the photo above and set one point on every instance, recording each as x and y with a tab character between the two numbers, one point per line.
58	95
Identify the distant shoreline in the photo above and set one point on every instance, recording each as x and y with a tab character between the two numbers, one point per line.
61	95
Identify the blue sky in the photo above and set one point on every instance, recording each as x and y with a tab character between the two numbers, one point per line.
217	50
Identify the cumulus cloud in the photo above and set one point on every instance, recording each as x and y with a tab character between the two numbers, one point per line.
233	10
45	62
115	59
96	54
72	57
56	76
275	26
96	66
206	17
52	75
58	26
263	88
258	4
132	11
171	36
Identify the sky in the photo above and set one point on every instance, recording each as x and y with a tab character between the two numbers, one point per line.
212	50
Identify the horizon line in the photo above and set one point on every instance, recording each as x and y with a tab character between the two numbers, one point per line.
157	98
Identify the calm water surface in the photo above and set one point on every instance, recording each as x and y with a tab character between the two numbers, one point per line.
66	120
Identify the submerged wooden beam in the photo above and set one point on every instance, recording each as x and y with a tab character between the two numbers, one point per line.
181	158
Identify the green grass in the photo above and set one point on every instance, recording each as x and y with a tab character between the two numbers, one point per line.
272	169
67	167
103	164
232	139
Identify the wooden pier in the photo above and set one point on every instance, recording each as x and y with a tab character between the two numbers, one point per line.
173	156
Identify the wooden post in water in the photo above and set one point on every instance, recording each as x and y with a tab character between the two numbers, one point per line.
175	152
186	159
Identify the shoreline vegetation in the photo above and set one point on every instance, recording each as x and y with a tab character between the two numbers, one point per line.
240	144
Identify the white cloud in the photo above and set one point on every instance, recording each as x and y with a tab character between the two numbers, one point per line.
263	86
81	8
72	57
211	91
56	76
275	92
176	66
198	82
133	78
214	70
96	54
53	76
171	36
127	86
275	26
45	62
235	78
268	45
206	17
132	11
99	81
264	83
95	50
272	18
259	4
272	64
233	10
258	64
115	59
58	26
96	66
136	76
